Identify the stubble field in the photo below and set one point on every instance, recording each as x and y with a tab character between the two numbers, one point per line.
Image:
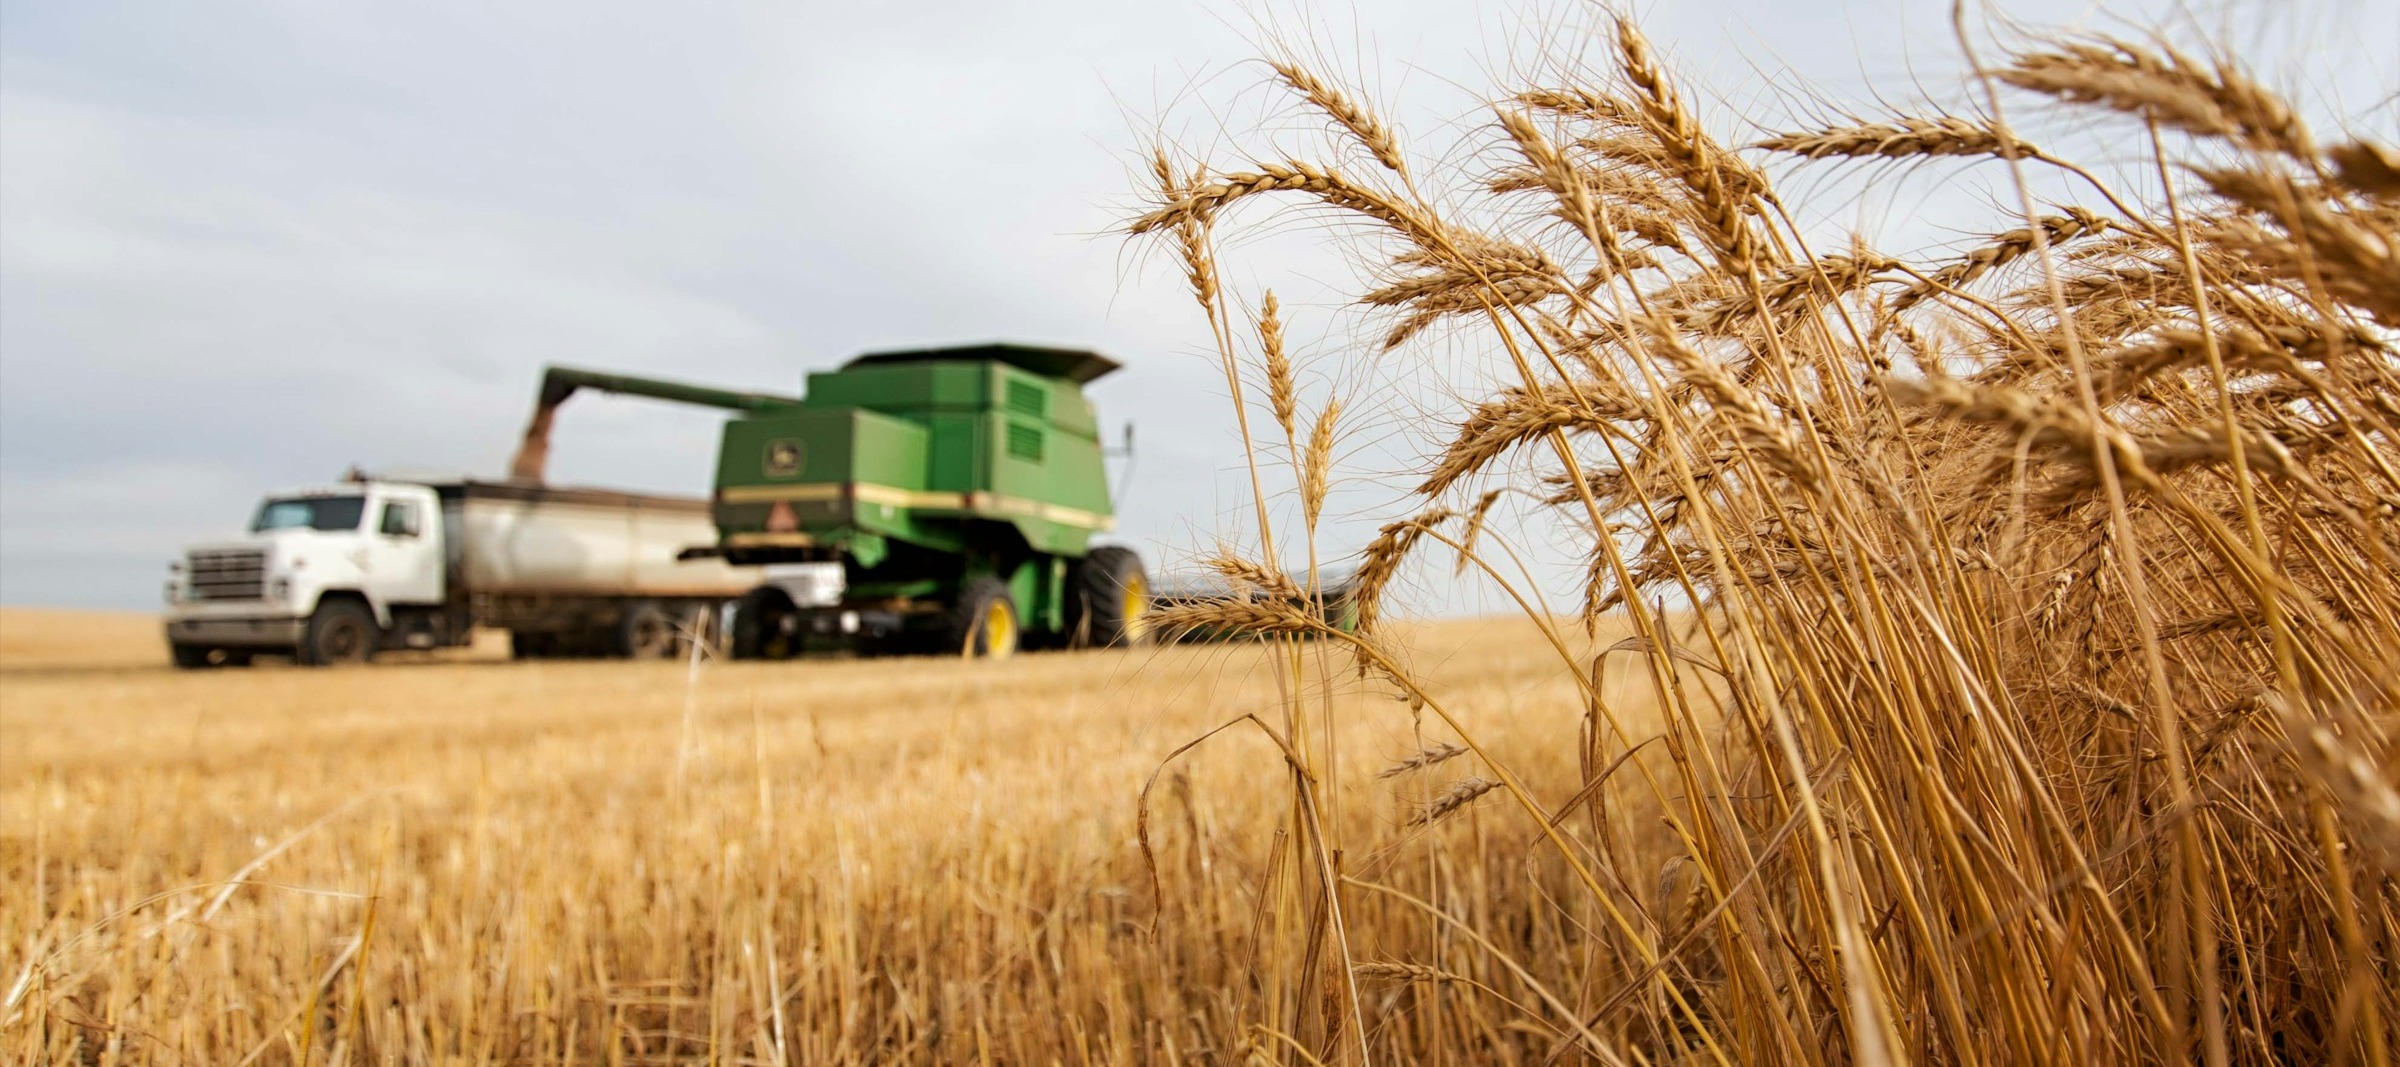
466	860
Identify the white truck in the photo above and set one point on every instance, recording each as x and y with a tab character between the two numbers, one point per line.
334	574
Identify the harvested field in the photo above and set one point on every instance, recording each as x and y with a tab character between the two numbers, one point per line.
53	640
474	861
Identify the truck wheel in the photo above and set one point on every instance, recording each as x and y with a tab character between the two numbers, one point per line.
645	633
759	630
984	625
194	657
342	631
1110	595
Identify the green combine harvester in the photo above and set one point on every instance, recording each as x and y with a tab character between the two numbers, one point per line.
950	495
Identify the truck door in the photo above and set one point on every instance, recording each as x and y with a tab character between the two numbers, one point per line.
406	550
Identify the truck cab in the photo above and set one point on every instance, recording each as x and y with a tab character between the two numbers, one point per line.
320	575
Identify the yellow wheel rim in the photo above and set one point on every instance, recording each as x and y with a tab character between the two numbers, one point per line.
999	630
1134	606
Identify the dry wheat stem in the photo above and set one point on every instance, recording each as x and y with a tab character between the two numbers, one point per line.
2187	414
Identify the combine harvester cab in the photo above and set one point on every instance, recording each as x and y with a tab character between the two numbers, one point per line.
933	500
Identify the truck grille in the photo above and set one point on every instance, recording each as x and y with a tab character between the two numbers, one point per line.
232	574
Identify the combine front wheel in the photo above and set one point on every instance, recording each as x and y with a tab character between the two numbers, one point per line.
984	623
1113	595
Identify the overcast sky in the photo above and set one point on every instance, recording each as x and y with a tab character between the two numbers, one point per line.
248	244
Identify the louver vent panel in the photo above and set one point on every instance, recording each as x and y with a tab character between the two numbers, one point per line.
1025	442
1027	398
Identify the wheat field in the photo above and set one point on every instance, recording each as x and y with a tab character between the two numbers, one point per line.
2047	573
466	860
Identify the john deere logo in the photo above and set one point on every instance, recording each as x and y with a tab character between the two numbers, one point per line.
784	458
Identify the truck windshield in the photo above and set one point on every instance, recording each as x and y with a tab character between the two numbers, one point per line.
313	513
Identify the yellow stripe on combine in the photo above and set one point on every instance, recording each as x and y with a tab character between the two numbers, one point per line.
768	494
770	540
871	493
821	492
1066	516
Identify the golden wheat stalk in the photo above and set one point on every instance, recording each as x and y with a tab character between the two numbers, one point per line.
1461	793
2166	86
1898	139
1282	395
1925	520
1346	112
1316	467
1422	759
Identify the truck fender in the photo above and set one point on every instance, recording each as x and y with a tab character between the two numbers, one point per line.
375	605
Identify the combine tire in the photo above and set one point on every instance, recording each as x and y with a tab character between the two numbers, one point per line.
645	633
759	630
984	623
1110	596
342	631
526	645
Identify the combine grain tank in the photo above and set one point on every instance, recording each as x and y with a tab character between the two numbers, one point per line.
953	492
337	573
